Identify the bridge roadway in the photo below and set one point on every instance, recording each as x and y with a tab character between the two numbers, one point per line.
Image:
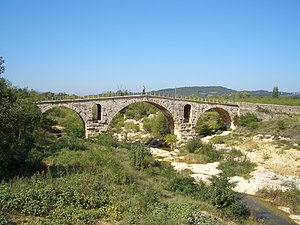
181	113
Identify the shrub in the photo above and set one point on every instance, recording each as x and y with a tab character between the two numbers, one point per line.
249	121
160	126
147	124
196	218
139	157
218	139
221	193
209	123
193	144
4	220
107	140
236	164
281	125
210	153
68	143
171	140
290	198
132	127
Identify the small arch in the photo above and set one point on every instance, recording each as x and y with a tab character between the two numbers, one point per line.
97	111
187	113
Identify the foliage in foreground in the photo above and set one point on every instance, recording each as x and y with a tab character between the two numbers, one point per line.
105	183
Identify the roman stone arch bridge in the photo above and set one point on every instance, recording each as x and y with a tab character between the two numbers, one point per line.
182	114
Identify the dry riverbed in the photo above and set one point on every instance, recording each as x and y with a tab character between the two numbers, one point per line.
277	166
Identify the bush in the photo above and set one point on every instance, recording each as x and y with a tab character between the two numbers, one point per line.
249	121
196	218
140	157
218	139
221	193
160	126
193	144
289	198
171	140
210	153
107	140
236	164
68	143
4	220
209	123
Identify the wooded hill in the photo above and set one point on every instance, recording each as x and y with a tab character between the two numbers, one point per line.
209	91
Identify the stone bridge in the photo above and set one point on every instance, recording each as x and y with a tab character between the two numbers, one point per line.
182	114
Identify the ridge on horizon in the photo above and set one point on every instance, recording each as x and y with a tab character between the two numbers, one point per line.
204	91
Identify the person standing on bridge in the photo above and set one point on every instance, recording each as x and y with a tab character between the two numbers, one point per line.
143	90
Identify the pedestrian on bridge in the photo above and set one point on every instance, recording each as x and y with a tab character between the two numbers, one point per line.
143	90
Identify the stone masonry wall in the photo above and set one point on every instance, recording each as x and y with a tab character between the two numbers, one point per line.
172	108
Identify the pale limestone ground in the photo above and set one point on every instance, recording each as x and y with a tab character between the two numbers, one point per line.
277	168
265	152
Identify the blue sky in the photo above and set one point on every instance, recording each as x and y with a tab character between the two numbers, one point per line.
88	47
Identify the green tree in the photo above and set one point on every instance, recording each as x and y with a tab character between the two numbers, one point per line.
275	93
18	116
2	68
171	140
209	123
160	126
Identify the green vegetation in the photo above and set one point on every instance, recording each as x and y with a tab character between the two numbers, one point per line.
219	139
138	111
171	140
275	93
249	121
207	152
51	175
156	124
236	164
69	180
289	198
232	162
18	117
222	94
287	127
111	181
209	123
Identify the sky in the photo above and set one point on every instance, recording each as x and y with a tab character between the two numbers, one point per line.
92	46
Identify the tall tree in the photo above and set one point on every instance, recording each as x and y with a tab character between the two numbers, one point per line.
2	68
18	116
275	93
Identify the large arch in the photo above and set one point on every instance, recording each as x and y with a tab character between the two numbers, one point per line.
165	112
45	110
224	114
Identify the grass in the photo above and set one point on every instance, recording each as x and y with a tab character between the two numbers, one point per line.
110	181
288	127
289	198
236	164
232	162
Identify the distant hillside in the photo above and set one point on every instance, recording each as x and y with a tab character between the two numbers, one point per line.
206	91
202	91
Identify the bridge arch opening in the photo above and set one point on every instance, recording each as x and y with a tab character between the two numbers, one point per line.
212	121
97	112
146	119
187	113
61	121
